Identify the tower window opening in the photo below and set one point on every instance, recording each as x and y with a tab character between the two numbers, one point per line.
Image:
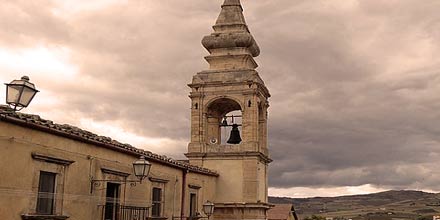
234	121
224	120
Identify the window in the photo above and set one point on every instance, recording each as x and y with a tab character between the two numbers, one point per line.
192	204
46	193
48	185
156	202
112	201
158	195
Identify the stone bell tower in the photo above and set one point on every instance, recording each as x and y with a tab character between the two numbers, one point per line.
232	85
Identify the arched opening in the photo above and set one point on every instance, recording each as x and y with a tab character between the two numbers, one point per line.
231	118
224	115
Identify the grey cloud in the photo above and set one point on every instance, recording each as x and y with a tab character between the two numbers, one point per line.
27	23
355	87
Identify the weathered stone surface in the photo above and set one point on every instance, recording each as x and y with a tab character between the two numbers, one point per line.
231	46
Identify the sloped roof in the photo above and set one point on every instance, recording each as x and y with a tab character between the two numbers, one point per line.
72	132
280	211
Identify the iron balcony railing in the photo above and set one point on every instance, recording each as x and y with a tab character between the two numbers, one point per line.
198	217
121	212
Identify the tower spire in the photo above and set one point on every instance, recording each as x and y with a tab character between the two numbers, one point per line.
231	45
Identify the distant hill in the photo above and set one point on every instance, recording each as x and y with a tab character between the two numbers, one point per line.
394	204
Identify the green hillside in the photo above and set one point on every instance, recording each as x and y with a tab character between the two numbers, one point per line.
392	205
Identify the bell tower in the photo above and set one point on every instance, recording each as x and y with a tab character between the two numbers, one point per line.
229	118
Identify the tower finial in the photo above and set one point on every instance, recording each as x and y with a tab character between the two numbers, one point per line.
231	46
231	3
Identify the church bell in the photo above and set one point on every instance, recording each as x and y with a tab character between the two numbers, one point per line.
235	135
224	122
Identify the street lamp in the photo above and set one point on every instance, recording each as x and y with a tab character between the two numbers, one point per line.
208	208
19	93
141	169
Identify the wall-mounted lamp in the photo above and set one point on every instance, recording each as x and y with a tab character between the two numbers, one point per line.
141	169
208	208
19	93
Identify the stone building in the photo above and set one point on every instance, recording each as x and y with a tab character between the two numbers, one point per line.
38	155
56	171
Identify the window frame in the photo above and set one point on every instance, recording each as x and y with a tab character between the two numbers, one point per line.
51	194
51	163
193	210
160	183
155	203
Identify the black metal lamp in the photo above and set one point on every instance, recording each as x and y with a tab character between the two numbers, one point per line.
19	93
141	168
208	208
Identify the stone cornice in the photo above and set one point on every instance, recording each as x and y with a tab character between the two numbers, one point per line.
244	205
43	217
158	180
51	159
114	172
260	155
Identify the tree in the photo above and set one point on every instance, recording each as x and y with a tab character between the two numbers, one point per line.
314	217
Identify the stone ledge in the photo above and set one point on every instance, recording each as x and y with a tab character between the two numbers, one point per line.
51	159
43	217
244	205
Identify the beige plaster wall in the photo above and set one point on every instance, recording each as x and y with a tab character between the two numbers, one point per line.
19	176
230	182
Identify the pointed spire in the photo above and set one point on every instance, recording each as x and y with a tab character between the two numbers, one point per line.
231	14
231	46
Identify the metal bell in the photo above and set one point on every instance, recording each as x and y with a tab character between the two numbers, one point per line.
224	122
235	135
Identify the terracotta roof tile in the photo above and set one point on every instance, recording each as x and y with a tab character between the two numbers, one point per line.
279	211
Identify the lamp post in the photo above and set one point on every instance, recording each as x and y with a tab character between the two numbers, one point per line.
141	169
19	93
208	208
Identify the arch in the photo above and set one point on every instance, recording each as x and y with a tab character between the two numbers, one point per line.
216	111
220	106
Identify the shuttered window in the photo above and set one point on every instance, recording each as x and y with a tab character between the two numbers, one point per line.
46	193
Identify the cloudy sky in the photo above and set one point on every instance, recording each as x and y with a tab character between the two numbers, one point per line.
355	84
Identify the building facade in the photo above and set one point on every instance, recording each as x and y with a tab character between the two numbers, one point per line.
47	171
55	171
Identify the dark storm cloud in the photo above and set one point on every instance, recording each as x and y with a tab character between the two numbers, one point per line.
339	120
355	84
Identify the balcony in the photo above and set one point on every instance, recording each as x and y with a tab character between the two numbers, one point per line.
121	212
197	217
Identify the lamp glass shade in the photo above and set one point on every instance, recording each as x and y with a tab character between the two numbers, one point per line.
208	208
27	96
141	168
19	93
13	94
